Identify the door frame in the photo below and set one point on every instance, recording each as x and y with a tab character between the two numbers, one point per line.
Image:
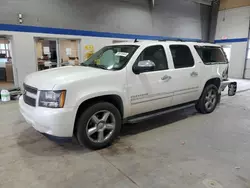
11	54
58	48
36	39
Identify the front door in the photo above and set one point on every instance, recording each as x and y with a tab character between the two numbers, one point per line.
150	91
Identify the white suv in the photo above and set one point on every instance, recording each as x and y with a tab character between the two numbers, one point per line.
126	82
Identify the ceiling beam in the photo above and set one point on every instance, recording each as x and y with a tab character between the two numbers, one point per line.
151	4
228	4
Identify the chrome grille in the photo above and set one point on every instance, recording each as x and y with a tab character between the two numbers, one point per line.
30	89
29	99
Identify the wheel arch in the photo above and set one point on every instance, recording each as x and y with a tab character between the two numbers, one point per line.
215	81
114	99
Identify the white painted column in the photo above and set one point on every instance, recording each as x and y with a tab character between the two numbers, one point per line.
237	61
23	46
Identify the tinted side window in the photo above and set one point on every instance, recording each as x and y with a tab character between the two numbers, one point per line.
155	54
210	54
182	56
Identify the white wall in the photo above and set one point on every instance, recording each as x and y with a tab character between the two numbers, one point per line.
234	24
24	55
237	61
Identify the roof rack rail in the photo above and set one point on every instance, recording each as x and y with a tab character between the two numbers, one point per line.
181	40
164	40
202	41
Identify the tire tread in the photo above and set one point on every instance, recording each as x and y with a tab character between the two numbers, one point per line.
200	106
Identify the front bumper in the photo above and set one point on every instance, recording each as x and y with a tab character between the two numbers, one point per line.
51	121
232	87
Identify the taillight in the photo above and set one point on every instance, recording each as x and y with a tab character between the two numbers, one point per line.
225	74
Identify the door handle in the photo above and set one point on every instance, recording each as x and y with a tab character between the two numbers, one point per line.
166	78
193	74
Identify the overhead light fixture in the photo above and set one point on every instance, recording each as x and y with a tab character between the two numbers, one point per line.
20	18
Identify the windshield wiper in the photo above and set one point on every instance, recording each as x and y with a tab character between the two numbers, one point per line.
97	66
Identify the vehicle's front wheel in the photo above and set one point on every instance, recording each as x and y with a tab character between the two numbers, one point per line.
208	100
98	125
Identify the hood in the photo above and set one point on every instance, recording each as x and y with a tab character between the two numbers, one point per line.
47	79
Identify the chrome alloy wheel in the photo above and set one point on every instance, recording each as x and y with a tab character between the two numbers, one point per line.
100	126
210	99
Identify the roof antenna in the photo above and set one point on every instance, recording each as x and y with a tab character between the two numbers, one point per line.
136	40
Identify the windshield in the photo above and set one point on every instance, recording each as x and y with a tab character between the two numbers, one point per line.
111	57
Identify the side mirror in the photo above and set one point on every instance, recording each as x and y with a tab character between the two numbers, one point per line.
144	66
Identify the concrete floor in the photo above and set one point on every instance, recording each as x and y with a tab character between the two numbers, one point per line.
178	150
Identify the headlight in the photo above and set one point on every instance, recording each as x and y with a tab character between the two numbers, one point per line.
52	99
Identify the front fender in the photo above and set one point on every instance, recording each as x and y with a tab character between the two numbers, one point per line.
86	95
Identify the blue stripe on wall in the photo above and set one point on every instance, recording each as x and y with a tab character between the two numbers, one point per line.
48	30
232	40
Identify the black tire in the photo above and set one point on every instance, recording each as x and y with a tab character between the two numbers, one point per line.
201	104
84	119
219	98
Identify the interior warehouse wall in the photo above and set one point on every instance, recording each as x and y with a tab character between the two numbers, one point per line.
233	25
179	18
24	50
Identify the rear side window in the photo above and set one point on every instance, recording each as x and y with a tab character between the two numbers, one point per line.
211	54
182	56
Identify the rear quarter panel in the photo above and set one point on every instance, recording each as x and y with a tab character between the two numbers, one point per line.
208	71
211	71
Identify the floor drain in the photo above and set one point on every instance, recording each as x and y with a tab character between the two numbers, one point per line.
211	184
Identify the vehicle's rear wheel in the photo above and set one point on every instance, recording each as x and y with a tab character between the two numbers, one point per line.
208	100
98	125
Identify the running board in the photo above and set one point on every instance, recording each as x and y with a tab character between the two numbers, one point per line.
155	114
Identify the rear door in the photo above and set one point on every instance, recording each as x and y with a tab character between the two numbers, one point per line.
186	73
